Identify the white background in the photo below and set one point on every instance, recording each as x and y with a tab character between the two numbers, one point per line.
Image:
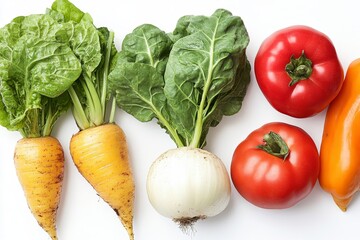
83	215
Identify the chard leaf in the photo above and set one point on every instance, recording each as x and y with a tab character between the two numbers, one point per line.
202	67
137	78
139	90
149	45
231	102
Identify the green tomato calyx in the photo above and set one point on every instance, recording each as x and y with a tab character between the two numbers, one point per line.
275	145
298	68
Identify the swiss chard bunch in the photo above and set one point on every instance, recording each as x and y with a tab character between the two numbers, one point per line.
188	79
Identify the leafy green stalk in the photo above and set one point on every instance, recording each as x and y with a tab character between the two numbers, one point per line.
195	142
94	106
31	126
95	49
91	112
53	109
78	111
105	76
112	111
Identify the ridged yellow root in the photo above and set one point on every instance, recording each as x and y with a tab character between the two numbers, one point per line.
39	164
101	156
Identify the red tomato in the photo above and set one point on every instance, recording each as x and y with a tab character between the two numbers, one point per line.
276	166
298	71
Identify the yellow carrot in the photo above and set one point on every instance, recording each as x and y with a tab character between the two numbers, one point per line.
39	164
101	156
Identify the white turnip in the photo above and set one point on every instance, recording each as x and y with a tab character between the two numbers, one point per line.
187	184
188	80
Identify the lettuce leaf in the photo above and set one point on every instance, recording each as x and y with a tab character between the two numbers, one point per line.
34	66
95	49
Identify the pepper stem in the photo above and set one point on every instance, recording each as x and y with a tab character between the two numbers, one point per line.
298	68
275	145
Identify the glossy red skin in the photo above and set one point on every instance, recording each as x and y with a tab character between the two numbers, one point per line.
307	97
271	182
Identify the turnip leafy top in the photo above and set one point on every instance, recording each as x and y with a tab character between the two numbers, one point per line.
187	79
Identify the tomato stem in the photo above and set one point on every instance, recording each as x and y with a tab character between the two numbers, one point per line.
275	145
298	68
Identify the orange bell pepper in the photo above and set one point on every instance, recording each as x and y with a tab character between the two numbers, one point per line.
340	146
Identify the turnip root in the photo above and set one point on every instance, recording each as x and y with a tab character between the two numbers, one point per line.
187	184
